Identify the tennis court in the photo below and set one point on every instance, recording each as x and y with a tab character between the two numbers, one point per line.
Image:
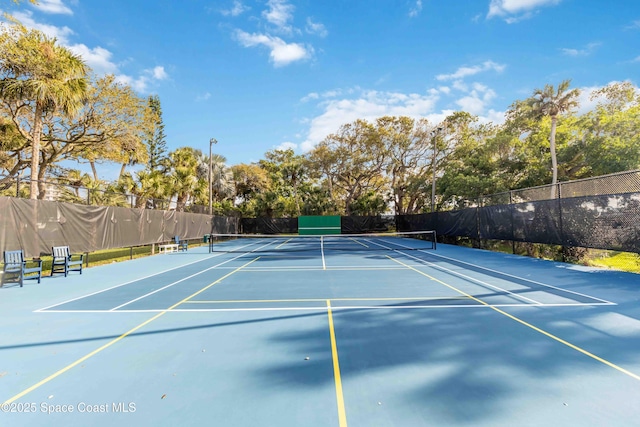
324	331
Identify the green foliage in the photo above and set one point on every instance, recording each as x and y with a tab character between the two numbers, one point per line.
156	138
370	203
52	111
38	79
184	182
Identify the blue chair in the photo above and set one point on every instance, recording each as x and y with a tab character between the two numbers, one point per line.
15	268
183	245
64	262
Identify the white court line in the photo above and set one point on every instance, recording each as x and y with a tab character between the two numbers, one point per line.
459	274
525	279
358	242
131	281
350	307
188	277
125	283
324	265
312	268
503	274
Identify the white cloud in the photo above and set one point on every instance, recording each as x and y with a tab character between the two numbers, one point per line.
282	53
279	14
142	82
327	94
53	7
310	97
316	28
585	101
522	9
471	104
333	93
633	26
367	105
99	59
203	97
476	99
287	145
461	86
492	116
346	106
61	34
237	9
463	72
138	84
416	9
159	73
586	51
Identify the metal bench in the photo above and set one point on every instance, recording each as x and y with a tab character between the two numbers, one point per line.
64	261
168	248
15	268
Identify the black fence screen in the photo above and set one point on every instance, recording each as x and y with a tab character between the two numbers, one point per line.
609	222
265	225
367	224
224	225
599	213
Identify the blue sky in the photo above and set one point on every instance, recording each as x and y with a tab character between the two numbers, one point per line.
262	74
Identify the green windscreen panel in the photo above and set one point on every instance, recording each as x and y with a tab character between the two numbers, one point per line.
317	225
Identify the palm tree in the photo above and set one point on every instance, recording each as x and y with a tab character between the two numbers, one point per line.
551	102
147	186
184	182
45	75
222	185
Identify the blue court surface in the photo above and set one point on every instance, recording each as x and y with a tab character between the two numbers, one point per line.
283	333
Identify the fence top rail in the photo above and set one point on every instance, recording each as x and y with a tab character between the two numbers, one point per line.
541	189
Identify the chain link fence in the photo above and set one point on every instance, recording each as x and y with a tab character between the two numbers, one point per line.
58	191
617	183
578	221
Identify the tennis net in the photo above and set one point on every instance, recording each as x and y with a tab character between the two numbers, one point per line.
274	243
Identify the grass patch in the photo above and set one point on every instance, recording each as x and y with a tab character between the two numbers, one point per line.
624	261
106	256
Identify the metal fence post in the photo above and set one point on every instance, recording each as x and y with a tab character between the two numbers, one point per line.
513	232
560	222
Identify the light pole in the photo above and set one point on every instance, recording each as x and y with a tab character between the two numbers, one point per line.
211	142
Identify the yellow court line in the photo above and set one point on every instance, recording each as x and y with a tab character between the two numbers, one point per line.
115	340
527	324
342	416
283	243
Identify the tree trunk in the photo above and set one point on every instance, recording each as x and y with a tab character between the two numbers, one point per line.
94	170
295	195
181	201
399	201
124	165
554	160
35	151
42	190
